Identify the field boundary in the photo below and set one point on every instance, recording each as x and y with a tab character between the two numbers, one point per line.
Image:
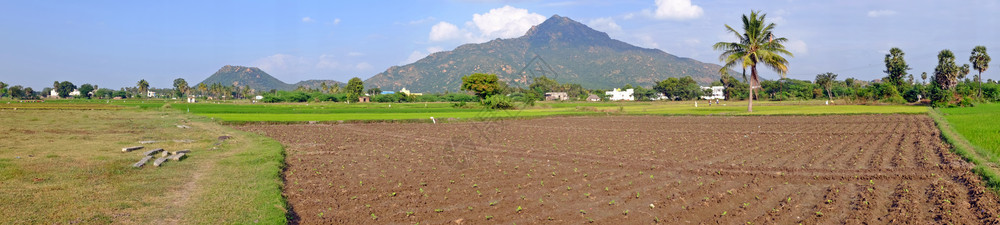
961	146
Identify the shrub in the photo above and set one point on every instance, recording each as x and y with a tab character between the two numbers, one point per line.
498	102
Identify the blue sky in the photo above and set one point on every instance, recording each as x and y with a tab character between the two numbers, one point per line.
116	43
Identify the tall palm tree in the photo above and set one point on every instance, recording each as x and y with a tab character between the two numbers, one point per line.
757	44
143	87
980	61
202	88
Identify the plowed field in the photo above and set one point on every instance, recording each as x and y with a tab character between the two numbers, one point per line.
882	169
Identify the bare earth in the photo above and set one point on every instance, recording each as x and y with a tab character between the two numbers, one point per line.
881	169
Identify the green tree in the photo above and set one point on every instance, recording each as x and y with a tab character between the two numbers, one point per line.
757	45
143	86
85	90
826	81
3	89
65	88
923	76
684	88
947	73
980	61
29	93
181	87
895	67
16	91
355	88
484	85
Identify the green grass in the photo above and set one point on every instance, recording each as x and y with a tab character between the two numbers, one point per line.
65	166
973	133
423	111
980	125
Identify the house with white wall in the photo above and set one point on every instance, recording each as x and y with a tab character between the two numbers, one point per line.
716	93
619	95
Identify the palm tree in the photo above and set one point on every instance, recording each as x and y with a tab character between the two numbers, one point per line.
202	88
757	44
826	80
980	61
143	87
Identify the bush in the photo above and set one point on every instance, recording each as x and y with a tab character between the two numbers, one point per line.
297	97
271	99
498	102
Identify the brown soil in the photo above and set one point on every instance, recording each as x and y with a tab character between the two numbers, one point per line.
883	169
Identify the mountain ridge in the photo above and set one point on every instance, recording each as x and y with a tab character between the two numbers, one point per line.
575	52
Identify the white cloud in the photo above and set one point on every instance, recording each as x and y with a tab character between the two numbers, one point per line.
692	41
647	41
797	47
606	24
881	13
336	21
434	49
363	66
443	31
417	55
421	21
503	22
327	62
308	20
506	22
675	10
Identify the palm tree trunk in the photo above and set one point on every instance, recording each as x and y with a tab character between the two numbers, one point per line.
753	84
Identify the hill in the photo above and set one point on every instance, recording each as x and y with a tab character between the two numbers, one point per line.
574	52
252	77
316	84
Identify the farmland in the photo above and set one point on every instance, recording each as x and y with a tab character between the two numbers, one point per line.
632	169
423	111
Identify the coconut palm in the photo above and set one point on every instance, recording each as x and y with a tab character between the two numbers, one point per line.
826	80
143	87
757	45
980	61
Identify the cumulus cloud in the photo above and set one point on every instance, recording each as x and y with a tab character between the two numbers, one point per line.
308	20
336	21
503	22
881	13
797	47
506	22
606	24
675	10
443	31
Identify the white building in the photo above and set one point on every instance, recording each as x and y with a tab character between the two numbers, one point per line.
150	94
619	95
407	92
53	93
716	93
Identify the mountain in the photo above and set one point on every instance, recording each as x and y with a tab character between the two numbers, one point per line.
316	84
574	52
252	77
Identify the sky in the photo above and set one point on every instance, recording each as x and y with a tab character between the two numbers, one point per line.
116	43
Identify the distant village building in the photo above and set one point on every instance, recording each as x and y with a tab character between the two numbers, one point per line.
593	98
659	96
364	99
619	95
717	93
556	96
151	94
388	92
54	94
407	92
192	99
259	97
